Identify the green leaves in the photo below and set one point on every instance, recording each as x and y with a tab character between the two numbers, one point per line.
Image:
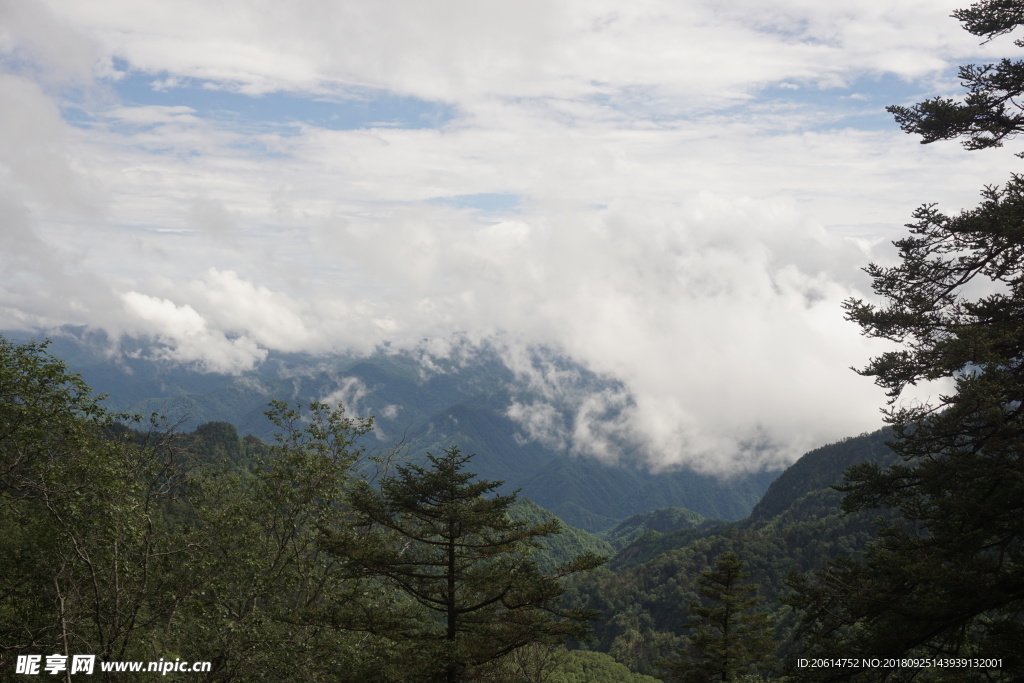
132	551
991	111
267	592
991	18
85	574
944	332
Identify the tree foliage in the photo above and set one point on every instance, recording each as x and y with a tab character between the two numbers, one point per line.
269	603
432	533
992	110
131	545
730	639
270	562
959	486
584	666
946	576
86	536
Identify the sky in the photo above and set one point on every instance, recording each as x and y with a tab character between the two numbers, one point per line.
676	195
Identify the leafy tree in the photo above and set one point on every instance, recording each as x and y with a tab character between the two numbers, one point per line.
583	666
730	638
87	539
432	533
992	110
134	552
269	603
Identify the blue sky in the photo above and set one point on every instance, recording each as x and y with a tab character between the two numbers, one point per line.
355	108
678	195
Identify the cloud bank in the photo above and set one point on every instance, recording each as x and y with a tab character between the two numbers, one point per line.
675	195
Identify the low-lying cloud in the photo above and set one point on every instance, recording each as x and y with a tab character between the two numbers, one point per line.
690	190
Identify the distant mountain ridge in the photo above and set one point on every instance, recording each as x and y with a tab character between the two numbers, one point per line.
797	527
426	406
817	470
655	556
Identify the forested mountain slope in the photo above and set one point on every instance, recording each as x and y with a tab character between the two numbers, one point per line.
643	592
658	522
819	469
424	406
237	488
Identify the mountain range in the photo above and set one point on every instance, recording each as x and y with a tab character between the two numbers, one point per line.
659	530
419	405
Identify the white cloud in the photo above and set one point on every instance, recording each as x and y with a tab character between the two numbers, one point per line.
271	319
187	338
350	393
463	51
35	154
540	422
681	229
58	49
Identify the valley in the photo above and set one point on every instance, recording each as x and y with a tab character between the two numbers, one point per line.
657	531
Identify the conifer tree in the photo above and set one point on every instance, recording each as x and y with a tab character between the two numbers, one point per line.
992	110
731	638
436	534
945	579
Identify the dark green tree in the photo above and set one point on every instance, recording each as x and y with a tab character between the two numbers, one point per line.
440	538
945	577
587	666
992	110
730	638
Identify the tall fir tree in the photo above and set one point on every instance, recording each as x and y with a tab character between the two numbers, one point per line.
439	537
945	578
731	639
